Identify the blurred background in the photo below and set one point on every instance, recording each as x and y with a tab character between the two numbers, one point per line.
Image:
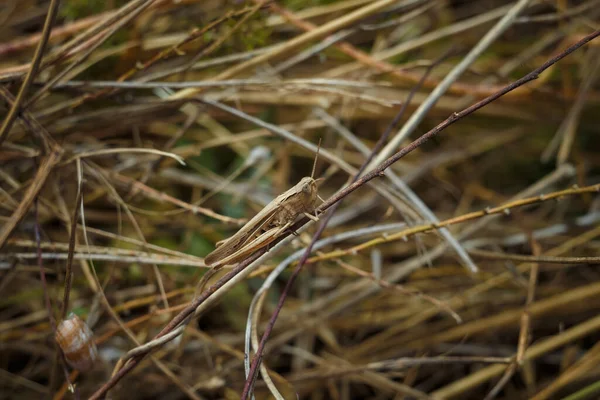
138	134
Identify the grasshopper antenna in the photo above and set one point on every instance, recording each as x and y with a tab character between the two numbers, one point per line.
312	174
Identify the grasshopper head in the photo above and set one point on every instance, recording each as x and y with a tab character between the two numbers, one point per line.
308	188
308	185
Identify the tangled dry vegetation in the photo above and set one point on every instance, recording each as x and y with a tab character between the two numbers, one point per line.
137	134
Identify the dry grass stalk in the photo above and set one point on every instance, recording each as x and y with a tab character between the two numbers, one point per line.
113	189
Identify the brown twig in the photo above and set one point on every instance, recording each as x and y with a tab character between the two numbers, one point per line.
503	209
161	56
57	33
72	242
38	182
381	65
47	302
492	255
87	48
250	379
161	196
35	63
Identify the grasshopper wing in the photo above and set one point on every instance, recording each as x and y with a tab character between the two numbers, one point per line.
227	247
280	206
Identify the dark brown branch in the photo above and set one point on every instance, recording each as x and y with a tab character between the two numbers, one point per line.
71	251
251	378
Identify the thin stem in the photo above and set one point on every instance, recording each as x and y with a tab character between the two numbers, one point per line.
35	63
251	376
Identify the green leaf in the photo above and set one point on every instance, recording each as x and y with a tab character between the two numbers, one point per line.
199	246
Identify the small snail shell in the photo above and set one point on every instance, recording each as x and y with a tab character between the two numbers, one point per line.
76	341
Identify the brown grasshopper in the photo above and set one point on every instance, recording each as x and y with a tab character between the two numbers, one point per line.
269	223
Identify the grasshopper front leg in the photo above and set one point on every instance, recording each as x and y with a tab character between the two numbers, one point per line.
313	217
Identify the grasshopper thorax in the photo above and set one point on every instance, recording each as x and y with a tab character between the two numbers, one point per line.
300	199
